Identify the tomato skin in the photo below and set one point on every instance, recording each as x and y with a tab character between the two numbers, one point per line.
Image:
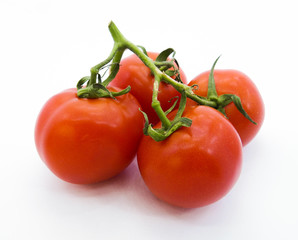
195	166
85	141
235	82
134	73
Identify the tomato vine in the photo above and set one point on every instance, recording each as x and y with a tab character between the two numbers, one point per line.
163	70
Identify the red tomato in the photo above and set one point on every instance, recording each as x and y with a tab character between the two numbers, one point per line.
85	141
237	83
134	73
196	165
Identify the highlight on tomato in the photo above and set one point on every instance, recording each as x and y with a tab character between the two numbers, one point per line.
134	73
196	165
85	141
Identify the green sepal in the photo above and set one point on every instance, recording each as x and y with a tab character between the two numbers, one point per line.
164	65
175	73
156	134
145	129
143	49
98	90
182	106
181	122
95	90
99	80
226	99
212	93
223	100
104	93
170	73
163	56
160	134
173	106
122	92
112	74
175	60
82	81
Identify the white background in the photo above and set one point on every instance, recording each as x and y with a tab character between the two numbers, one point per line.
47	46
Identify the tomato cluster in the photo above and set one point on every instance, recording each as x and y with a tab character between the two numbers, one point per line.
90	137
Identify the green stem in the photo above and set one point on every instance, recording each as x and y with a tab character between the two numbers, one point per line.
166	123
180	87
118	37
159	76
145	59
182	105
115	55
117	58
94	70
121	40
158	68
161	69
115	66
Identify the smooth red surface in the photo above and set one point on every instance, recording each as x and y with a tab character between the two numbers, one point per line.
88	140
195	166
134	73
235	82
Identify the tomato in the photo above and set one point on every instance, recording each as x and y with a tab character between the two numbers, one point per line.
196	165
134	73
84	140
235	82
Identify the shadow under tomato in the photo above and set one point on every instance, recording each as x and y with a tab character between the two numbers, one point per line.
128	191
108	187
